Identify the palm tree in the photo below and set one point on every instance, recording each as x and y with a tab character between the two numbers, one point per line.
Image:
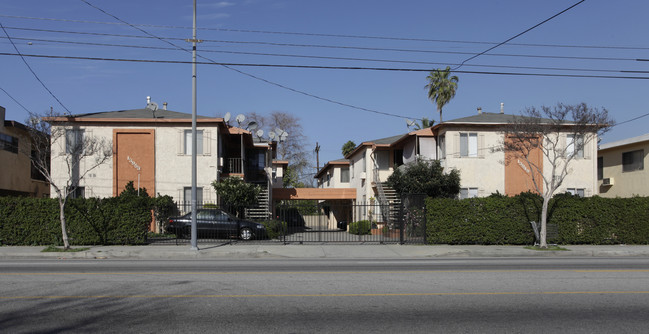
441	87
425	123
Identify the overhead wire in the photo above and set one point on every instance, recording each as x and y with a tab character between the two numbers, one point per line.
251	75
394	38
14	99
265	54
32	70
392	69
324	46
519	34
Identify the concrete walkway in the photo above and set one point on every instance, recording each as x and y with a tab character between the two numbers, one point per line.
316	251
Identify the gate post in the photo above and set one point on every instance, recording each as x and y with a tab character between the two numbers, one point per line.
402	224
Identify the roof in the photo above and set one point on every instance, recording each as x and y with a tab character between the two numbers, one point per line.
330	164
623	142
139	114
487	118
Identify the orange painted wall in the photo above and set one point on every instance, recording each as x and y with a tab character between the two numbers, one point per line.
518	175
134	153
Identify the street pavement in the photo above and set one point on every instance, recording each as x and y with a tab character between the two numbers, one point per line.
317	251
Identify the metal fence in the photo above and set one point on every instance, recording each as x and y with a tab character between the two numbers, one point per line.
298	222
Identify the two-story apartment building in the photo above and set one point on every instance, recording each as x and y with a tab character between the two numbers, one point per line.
153	150
17	175
620	167
472	145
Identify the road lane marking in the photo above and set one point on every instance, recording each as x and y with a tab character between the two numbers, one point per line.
421	294
331	272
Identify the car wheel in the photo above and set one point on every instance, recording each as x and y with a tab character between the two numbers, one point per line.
245	233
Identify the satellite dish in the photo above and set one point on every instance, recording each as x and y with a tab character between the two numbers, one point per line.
410	122
227	117
152	106
272	135
260	133
240	118
252	125
283	136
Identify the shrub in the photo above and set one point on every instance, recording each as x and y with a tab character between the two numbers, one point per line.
274	228
360	227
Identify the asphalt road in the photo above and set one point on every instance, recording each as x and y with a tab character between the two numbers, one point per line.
485	295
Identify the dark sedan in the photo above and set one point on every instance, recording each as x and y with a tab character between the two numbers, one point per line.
216	222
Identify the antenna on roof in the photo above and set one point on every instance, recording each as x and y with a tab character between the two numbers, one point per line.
226	118
259	133
240	118
272	135
151	105
252	126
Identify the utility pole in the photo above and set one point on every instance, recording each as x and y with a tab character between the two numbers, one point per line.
317	157
194	237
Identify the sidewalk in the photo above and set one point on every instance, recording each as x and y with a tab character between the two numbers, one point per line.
316	251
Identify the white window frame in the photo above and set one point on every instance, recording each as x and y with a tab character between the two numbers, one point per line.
581	192
570	146
469	144
187	139
468	192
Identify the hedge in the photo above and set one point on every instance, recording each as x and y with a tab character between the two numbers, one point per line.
360	227
118	220
500	220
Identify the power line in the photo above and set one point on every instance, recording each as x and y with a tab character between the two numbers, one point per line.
332	35
31	70
251	75
518	35
11	97
228	65
311	56
324	46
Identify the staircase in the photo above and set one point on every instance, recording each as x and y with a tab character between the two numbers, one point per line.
261	211
388	200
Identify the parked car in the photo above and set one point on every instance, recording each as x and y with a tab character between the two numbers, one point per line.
216	222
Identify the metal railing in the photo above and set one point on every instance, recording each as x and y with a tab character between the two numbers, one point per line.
313	222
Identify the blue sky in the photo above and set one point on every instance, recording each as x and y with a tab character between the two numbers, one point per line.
446	33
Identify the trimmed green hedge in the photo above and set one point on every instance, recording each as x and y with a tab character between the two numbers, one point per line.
92	221
500	220
360	227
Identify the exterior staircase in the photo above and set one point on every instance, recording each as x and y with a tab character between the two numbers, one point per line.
388	200
261	211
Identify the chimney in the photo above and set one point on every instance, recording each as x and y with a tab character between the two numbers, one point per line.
479	110
164	106
502	108
148	99
2	117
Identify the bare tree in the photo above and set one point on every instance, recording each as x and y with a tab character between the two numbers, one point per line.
80	154
292	148
559	134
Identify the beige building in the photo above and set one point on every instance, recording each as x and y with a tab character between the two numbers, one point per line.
152	149
472	145
17	176
620	167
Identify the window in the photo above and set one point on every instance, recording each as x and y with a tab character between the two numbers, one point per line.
8	143
188	194
442	147
577	191
383	160
632	161
575	147
364	166
398	158
344	175
468	144
74	141
188	142
328	179
600	168
78	192
468	193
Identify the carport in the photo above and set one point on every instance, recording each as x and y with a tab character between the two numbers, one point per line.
338	202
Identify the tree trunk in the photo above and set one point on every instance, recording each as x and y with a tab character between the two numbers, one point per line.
440	115
544	223
64	232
